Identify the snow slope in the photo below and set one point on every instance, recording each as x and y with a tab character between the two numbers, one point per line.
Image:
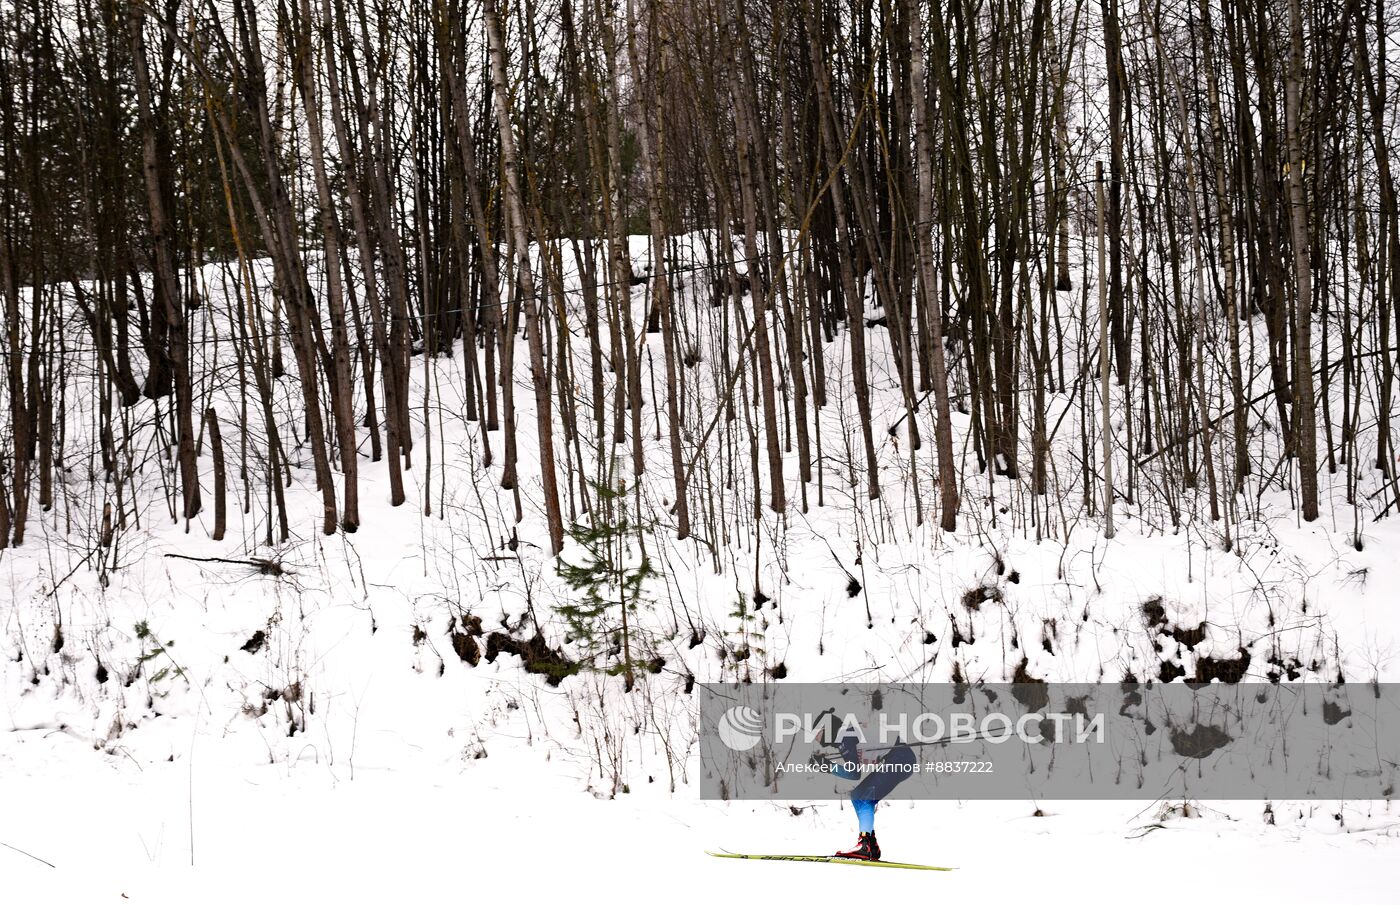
183	731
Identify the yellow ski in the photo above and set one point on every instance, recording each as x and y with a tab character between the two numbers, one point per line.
828	859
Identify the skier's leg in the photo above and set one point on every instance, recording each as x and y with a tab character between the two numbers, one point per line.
865	813
869	791
866	848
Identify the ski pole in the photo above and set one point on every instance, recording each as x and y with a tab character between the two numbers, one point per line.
979	737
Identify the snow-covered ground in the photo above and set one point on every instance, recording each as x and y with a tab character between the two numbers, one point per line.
174	730
434	830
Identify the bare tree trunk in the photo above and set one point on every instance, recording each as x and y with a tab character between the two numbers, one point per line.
852	293
1227	249
167	287
758	291
1305	419
360	218
341	397
650	137
216	448
515	212
943	429
1106	427
14	511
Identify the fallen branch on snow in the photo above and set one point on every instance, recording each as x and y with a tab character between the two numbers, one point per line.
264	566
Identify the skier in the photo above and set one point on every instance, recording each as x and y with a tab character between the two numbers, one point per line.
875	780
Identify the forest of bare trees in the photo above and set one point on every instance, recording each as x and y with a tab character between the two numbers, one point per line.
1110	253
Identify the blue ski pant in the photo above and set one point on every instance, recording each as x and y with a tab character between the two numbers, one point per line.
880	783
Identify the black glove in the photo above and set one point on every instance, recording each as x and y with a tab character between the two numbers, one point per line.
829	728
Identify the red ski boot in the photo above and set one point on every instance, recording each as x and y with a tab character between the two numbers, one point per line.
867	849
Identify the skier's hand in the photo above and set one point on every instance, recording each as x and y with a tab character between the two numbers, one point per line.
827	732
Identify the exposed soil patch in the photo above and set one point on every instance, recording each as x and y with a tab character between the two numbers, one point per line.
1189	637
1169	671
1227	670
973	598
470	624
1333	713
1290	667
1029	691
1131	695
1201	741
1154	612
468	651
537	655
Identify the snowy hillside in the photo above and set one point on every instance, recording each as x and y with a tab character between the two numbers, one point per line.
191	720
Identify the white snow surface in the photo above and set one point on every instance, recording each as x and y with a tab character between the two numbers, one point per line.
346	761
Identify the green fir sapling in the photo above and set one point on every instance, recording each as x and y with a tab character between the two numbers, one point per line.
606	564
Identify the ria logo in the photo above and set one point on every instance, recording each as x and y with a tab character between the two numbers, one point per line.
740	728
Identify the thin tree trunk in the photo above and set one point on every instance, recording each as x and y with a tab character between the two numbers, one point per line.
943	429
1305	423
515	212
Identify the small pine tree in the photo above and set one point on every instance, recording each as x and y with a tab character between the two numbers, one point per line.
748	638
610	575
